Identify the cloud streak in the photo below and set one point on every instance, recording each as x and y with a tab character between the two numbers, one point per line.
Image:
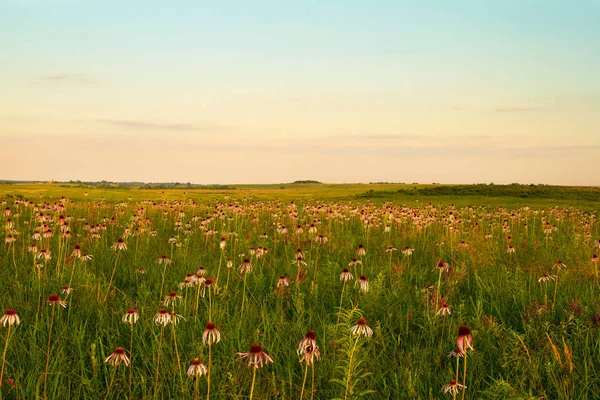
181	127
68	77
518	109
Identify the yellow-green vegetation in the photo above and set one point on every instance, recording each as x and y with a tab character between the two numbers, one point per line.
307	291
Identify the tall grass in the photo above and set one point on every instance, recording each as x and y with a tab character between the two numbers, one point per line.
528	344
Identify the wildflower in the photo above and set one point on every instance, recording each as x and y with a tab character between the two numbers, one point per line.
408	251
346	276
187	282
200	272
361	250
299	261
310	353
354	262
32	249
197	369
282	282
9	239
559	265
453	387
256	356
54	299
363	284
223	242
456	353
444	310
310	340
10	318
140	271
390	249
442	266
547	278
229	263
120	245
176	318
118	357
162	317
464	338
320	239
163	259
211	334
86	257
66	289
172	298
245	266
131	316
511	249
361	328
595	259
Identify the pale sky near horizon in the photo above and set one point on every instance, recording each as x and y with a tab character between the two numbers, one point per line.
277	91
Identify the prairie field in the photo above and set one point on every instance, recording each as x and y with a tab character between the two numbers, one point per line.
307	291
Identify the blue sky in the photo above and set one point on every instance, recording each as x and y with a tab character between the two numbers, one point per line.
402	83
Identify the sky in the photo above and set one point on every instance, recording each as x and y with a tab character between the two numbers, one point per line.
277	91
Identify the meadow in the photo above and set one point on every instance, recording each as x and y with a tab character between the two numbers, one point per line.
305	291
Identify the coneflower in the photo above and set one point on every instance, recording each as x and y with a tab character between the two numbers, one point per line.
211	335
115	359
195	371
362	283
464	340
9	319
309	351
361	329
257	358
52	301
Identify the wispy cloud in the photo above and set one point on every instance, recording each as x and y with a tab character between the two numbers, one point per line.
160	126
518	109
68	77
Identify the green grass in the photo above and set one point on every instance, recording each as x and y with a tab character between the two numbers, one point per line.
515	322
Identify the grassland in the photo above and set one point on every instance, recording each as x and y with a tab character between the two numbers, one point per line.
491	257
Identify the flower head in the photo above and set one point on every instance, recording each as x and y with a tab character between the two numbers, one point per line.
256	356
464	339
363	284
162	317
453	387
120	245
309	340
10	318
211	334
54	299
118	357
196	369
346	276
131	316
361	328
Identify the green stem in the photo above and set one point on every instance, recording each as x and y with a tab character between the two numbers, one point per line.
304	381
4	354
350	368
253	382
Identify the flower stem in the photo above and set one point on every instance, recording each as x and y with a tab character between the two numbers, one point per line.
253	382
48	353
465	376
4	354
112	276
304	381
350	368
162	328
208	372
